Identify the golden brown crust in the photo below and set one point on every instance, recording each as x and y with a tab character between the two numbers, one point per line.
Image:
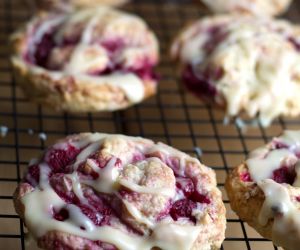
71	94
246	199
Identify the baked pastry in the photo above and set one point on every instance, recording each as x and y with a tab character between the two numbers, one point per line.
89	60
242	64
70	4
100	191
257	7
264	190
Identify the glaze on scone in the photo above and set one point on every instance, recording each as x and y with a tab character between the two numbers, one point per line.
70	4
265	190
89	60
256	7
243	64
107	192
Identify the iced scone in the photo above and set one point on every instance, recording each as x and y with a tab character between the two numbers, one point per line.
255	7
96	59
100	191
242	64
265	190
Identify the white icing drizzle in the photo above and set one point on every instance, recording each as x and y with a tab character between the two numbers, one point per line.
278	206
263	161
106	182
175	237
166	234
291	138
131	84
93	147
44	175
79	219
261	169
45	27
76	184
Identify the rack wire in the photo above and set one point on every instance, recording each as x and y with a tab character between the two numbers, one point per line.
173	116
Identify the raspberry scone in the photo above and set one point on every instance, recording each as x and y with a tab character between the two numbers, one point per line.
256	7
88	60
265	190
100	191
70	4
242	64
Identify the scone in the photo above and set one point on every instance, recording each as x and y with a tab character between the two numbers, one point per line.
100	191
256	7
265	190
89	60
70	4
242	64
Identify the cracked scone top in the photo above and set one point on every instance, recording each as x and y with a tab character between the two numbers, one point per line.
257	7
243	64
87	60
265	190
100	191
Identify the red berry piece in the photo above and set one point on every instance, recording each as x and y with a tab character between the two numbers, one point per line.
33	175
284	175
197	197
61	215
63	187
58	159
183	209
245	177
186	185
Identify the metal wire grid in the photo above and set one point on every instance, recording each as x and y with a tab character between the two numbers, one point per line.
172	116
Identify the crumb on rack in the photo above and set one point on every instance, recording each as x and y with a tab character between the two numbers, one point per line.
33	161
226	120
30	131
198	151
3	131
43	136
240	123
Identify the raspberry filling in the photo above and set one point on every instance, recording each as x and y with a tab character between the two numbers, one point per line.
295	43
39	52
245	177
285	173
282	175
200	84
217	35
183	209
58	159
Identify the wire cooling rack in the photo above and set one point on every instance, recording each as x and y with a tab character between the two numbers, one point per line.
173	116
